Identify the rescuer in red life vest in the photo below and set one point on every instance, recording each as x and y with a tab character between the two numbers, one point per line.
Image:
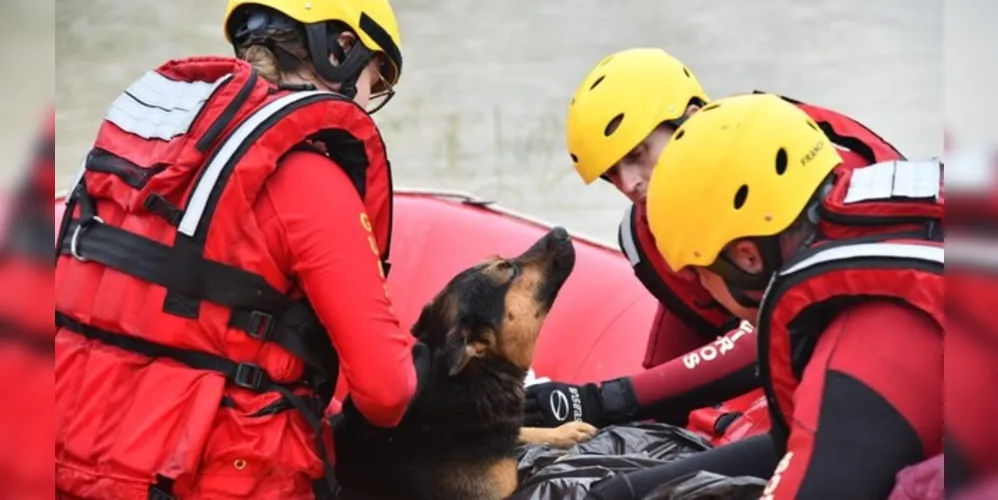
622	115
842	272
224	255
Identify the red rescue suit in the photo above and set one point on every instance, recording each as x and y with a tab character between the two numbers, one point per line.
168	301
689	321
879	244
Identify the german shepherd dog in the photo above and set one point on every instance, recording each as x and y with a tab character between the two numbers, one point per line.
458	439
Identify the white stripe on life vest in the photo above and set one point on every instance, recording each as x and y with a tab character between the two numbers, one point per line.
155	107
199	198
627	243
927	253
895	179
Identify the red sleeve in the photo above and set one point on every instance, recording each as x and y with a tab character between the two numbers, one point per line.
712	373
669	338
335	267
869	404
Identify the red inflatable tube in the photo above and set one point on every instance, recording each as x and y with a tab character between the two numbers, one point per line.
598	328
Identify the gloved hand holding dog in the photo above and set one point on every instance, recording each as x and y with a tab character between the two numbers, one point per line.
552	404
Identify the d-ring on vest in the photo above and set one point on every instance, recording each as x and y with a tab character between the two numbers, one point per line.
206	133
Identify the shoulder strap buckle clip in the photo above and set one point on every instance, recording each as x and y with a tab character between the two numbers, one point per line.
74	242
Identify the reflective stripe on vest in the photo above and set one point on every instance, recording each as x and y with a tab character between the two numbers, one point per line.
895	179
627	243
155	107
880	250
209	178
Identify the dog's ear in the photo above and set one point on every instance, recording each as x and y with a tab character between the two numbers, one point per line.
459	348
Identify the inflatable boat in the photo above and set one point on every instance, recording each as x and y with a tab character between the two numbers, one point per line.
598	327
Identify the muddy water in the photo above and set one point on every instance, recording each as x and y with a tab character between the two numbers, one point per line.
482	100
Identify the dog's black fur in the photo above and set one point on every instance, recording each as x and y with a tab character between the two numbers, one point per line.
457	441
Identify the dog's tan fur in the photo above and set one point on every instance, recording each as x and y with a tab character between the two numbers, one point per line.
458	439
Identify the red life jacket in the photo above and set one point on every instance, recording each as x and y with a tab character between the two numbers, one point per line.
685	297
158	251
891	248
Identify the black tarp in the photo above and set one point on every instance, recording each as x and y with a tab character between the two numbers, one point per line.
709	486
550	474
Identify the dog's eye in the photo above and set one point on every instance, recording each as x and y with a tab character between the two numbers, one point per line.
516	271
510	266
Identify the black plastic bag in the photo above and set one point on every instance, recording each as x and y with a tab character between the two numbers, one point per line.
709	486
551	474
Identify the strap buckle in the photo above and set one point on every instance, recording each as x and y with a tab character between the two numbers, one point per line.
158	205
260	325
75	239
249	376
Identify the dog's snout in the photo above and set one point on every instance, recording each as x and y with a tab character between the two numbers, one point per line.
554	247
560	248
559	233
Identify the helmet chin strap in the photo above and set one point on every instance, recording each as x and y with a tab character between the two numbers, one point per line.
742	298
350	63
740	283
322	42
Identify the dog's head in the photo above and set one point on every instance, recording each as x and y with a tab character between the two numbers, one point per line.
494	310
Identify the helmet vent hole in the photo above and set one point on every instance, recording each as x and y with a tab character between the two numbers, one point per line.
575	159
811	124
781	161
597	82
711	106
679	135
687	71
606	60
612	126
741	196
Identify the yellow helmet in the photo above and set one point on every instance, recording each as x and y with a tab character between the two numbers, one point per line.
372	20
621	101
744	166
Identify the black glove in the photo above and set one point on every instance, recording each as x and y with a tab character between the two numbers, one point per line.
553	403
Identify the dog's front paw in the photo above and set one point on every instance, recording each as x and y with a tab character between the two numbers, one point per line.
571	433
